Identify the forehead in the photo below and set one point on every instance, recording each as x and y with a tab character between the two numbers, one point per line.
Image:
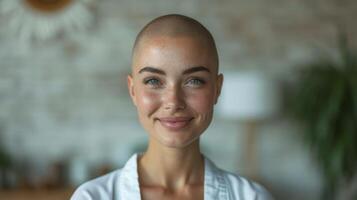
169	53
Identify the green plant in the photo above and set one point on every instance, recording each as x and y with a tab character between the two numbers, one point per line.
4	160
325	100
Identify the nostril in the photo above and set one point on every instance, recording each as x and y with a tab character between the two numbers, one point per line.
175	105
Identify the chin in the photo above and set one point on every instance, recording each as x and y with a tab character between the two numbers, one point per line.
178	143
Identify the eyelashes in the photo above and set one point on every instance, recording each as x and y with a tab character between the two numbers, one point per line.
152	82
196	81
155	82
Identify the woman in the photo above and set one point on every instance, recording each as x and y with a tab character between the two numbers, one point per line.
174	85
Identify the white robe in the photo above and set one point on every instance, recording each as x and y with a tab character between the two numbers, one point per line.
123	184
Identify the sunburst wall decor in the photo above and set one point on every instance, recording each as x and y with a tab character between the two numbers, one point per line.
45	19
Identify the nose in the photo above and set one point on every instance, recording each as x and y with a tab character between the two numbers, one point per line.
174	99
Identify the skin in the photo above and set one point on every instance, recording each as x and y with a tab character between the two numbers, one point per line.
174	85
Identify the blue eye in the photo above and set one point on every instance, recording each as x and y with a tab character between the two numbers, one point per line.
196	82
152	82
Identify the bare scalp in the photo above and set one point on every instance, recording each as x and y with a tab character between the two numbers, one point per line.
175	25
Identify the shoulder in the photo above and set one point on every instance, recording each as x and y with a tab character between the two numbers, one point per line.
242	188
232	186
98	188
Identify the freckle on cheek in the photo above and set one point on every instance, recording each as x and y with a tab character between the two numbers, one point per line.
148	101
202	103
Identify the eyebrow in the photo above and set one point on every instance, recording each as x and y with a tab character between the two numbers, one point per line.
187	71
196	69
152	70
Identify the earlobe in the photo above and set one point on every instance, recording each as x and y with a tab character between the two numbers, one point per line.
219	87
131	88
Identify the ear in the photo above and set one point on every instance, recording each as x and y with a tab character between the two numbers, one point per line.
219	85
131	88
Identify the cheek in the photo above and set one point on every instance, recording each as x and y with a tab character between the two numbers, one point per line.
201	102
147	102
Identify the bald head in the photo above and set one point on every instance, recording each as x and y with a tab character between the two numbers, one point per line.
175	26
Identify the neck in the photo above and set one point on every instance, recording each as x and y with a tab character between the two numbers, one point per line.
171	168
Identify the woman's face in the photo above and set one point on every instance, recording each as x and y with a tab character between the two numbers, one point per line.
174	86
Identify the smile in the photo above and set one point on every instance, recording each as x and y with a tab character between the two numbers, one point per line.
175	123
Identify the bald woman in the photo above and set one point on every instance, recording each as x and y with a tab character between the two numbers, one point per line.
174	86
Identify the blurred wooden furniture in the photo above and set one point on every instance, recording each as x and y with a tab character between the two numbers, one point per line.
36	194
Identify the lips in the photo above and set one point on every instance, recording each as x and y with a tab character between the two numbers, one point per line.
175	123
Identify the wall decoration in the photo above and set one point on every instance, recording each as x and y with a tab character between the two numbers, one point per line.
46	19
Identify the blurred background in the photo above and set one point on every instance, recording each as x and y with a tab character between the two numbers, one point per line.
66	116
